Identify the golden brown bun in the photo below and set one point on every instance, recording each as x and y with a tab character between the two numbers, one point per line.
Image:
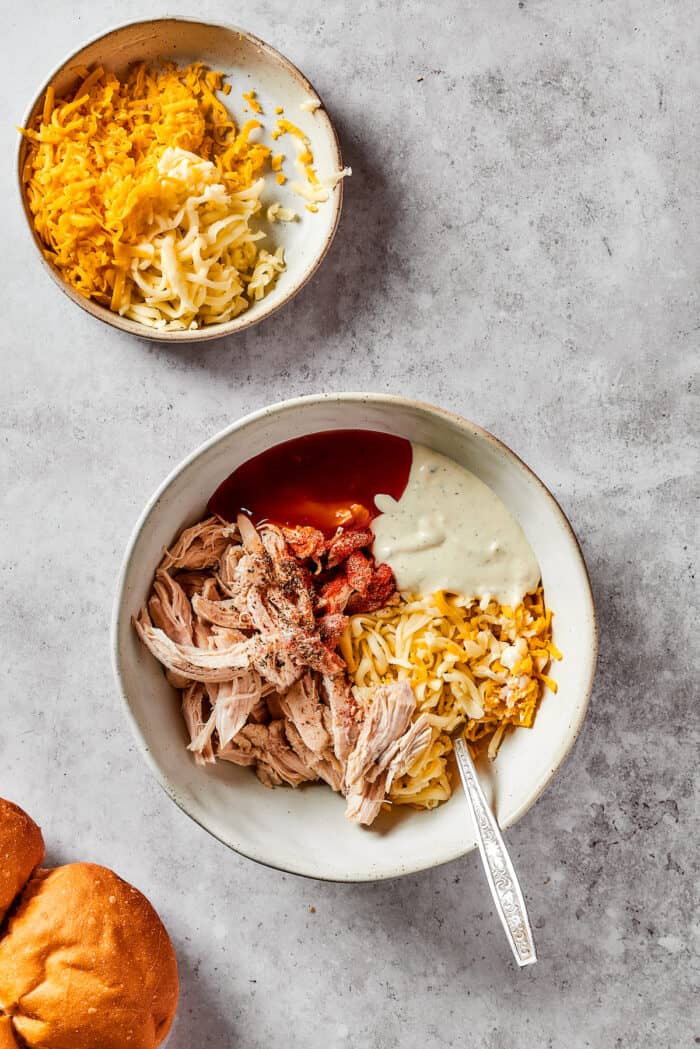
87	964
7	1037
21	851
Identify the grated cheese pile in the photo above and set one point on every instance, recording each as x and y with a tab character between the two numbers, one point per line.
480	669
143	191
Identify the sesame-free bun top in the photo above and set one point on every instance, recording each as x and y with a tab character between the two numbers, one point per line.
21	851
86	963
7	1034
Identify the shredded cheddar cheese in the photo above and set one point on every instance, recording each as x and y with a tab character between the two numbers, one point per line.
477	669
251	99
143	191
311	190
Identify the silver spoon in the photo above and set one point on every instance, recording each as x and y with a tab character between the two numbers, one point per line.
498	866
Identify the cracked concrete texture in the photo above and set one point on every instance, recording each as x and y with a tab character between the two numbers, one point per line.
519	244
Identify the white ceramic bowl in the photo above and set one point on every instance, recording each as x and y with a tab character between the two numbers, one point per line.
304	831
250	64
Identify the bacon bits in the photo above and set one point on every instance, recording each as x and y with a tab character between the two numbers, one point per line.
305	542
347	578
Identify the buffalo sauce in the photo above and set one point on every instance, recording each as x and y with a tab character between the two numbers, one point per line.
322	479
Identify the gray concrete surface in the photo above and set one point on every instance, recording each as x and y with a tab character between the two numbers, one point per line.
520	244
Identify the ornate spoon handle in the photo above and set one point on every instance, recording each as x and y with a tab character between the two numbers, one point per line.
499	869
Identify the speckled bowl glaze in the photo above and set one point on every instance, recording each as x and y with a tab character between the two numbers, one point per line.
304	831
250	64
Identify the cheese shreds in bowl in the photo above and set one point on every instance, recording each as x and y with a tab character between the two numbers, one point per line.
144	193
478	668
312	189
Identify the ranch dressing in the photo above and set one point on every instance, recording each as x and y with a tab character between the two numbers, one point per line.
449	531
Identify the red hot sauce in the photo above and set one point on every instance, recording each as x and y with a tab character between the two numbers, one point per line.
324	480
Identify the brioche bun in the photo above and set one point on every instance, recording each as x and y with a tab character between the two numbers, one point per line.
86	963
21	852
7	1034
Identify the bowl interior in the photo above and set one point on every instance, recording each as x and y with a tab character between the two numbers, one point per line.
249	65
304	830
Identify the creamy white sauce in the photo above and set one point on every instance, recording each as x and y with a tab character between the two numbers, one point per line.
449	531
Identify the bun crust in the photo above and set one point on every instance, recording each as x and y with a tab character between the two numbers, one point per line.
21	852
86	963
7	1035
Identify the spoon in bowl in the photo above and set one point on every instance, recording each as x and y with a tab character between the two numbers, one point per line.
498	866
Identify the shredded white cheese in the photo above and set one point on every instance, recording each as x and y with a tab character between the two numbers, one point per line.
276	213
314	194
337	176
190	268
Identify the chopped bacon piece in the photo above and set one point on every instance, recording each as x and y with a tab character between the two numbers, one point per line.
344	543
305	542
333	596
359	572
380	592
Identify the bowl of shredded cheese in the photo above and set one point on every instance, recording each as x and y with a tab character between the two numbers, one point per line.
182	180
514	678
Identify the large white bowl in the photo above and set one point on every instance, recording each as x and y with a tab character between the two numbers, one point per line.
250	64
304	831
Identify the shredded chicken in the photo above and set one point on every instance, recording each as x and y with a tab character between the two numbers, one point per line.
324	763
302	706
232	702
196	663
344	714
380	740
200	546
219	613
385	720
192	707
170	610
364	807
248	634
408	749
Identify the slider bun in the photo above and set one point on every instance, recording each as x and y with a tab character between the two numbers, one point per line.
86	963
21	851
7	1036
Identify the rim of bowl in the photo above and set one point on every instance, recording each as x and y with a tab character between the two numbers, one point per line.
244	320
380	399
